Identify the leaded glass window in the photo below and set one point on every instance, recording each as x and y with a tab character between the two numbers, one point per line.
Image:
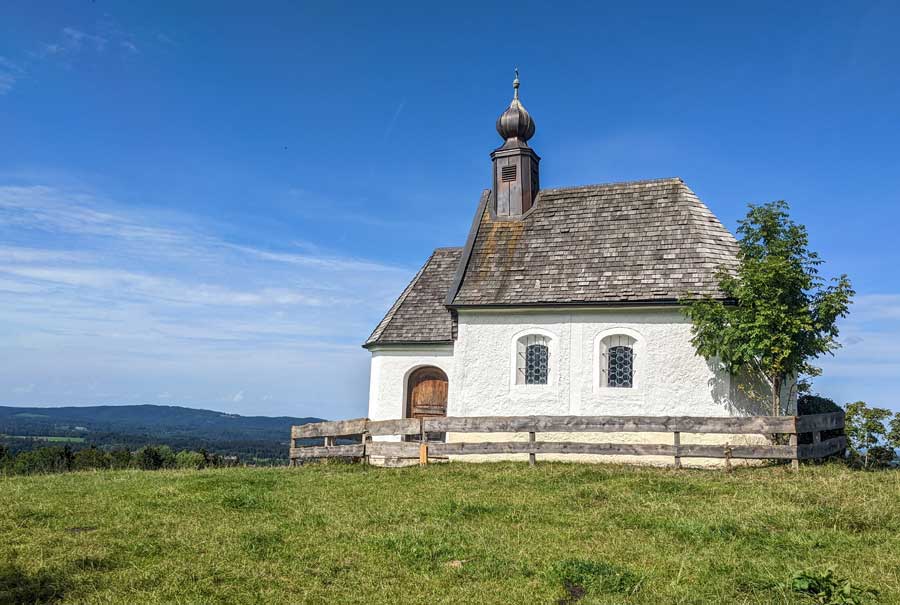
617	361
536	364
621	367
533	359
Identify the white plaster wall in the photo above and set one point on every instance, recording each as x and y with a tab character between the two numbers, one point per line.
670	378
391	367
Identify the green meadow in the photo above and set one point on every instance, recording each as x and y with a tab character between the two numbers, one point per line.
46	438
451	533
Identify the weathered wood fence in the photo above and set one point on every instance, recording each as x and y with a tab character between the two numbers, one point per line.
361	431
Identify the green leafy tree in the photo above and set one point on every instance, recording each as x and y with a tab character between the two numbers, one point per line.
188	459
120	458
779	314
6	459
168	456
149	458
44	460
867	435
893	436
91	458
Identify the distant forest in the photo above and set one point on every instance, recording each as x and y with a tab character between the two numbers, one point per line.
253	439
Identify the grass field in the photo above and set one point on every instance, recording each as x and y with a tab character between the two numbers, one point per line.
46	438
458	533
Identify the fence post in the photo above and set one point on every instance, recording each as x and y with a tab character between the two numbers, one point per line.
531	454
329	441
364	439
817	439
423	443
795	461
676	438
727	457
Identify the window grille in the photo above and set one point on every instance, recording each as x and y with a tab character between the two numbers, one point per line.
532	360
617	361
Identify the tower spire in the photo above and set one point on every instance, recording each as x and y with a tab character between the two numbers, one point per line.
516	179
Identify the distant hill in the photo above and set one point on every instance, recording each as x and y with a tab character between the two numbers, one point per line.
137	425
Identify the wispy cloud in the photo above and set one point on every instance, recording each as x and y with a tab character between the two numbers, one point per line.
129	46
134	297
105	38
10	73
393	121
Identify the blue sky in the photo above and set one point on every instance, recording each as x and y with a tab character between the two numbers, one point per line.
212	204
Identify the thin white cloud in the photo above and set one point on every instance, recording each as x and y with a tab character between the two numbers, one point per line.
321	261
876	307
119	300
67	47
49	209
148	286
393	121
10	73
75	39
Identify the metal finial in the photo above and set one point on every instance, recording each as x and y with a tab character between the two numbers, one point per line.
516	85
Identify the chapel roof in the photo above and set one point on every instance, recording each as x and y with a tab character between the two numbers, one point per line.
419	316
618	243
634	243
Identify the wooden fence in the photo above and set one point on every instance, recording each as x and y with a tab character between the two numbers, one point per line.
360	432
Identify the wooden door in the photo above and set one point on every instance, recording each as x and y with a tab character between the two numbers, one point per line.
427	396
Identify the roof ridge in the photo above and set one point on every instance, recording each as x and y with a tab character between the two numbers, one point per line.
670	179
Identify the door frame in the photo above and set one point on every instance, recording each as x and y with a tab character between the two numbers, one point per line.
408	394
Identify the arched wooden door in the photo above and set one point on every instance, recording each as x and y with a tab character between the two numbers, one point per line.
426	395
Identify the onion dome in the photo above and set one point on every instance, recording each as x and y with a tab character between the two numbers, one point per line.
515	122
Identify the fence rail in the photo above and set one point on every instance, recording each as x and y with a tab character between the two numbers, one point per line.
362	430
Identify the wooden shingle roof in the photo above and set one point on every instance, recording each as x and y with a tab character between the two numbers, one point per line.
419	314
641	242
636	242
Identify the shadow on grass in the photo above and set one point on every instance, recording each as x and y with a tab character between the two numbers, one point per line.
579	578
20	587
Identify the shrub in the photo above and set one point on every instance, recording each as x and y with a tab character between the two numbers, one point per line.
816	404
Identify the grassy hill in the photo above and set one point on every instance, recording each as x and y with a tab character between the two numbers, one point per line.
456	533
133	426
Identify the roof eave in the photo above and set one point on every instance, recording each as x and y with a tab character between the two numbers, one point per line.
667	302
407	343
467	250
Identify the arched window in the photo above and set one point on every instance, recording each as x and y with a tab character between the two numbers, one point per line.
617	361
532	359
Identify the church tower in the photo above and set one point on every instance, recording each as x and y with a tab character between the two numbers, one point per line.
516	181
